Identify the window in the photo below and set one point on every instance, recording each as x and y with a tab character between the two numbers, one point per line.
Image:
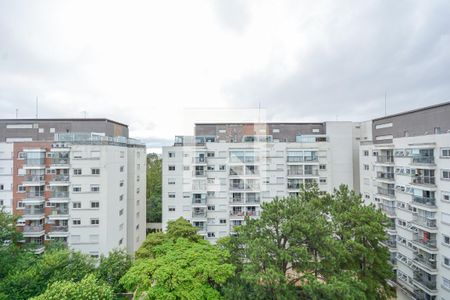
95	188
171	195
76	204
445	152
120	197
437	130
77	154
75	238
2	202
385	125
171	168
186	168
41	130
121	183
76	189
20	205
95	204
223	221
122	154
95	222
171	154
446	240
171	181
445	196
121	168
76	222
323	180
445	218
446	261
121	227
93	238
211	207
52	130
366	167
171	208
76	171
222	167
211	234
2	187
120	212
21	155
120	242
95	171
322	167
366	153
210	154
445	175
21	189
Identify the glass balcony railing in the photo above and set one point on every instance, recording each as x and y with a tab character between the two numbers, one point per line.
427	243
293	186
35	195
33	228
423	159
199	160
252	200
250	213
33	211
33	178
59	211
34	162
426	261
59	194
237	186
199	173
427	201
302	158
60	178
385	159
60	161
386	191
425	222
389	210
199	214
237	200
423	180
424	280
59	228
385	175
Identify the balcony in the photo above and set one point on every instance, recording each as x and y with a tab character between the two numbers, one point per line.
425	262
300	159
427	222
295	172
199	173
33	230
33	213
59	179
293	186
61	212
60	161
385	176
59	231
423	160
34	163
426	201
423	180
59	194
388	192
385	159
392	244
252	199
199	160
388	210
429	245
422	280
235	186
236	172
200	228
199	214
242	214
199	201
33	180
237	200
34	197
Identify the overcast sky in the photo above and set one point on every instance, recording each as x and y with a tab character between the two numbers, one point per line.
160	65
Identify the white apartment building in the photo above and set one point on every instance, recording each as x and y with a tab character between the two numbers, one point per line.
6	169
85	189
226	171
405	171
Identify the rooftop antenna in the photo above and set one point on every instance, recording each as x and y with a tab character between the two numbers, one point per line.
385	96
37	107
17	113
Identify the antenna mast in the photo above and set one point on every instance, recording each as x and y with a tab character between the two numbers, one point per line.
37	107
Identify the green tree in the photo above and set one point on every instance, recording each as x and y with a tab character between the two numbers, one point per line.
312	246
113	267
52	266
89	288
154	188
178	264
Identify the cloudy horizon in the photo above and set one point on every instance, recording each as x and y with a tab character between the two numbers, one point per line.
160	66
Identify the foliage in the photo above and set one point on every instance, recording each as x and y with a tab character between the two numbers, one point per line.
113	267
31	280
89	288
178	265
311	246
154	188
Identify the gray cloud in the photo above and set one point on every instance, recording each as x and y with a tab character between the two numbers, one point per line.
394	46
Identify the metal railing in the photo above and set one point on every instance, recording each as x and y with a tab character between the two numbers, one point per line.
294	172
60	178
237	186
430	244
420	278
59	194
199	200
199	214
59	229
428	262
385	175
34	211
199	160
386	192
35	195
425	222
60	161
292	186
302	158
199	173
59	211
244	213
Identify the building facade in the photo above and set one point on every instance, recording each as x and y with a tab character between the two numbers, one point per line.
226	171
405	171
86	188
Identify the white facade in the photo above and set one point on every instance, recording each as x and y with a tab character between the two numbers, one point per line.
409	179
6	168
216	184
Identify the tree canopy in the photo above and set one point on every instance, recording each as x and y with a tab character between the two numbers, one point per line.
154	188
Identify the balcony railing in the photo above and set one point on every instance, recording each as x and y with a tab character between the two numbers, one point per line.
59	194
385	175
199	160
234	172
33	228
35	195
389	210
244	213
294	172
428	201
199	173
428	262
34	162
200	227
302	158
423	180
391	243
59	229
253	200
421	279
237	200
59	211
33	211
199	201
429	244
237	186
386	192
60	178
33	178
60	161
293	186
199	214
425	222
423	159
385	159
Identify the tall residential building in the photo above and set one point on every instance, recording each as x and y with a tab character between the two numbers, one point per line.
405	171
223	173
79	181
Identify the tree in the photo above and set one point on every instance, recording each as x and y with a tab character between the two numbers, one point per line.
113	267
154	188
52	266
313	247
89	288
178	265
